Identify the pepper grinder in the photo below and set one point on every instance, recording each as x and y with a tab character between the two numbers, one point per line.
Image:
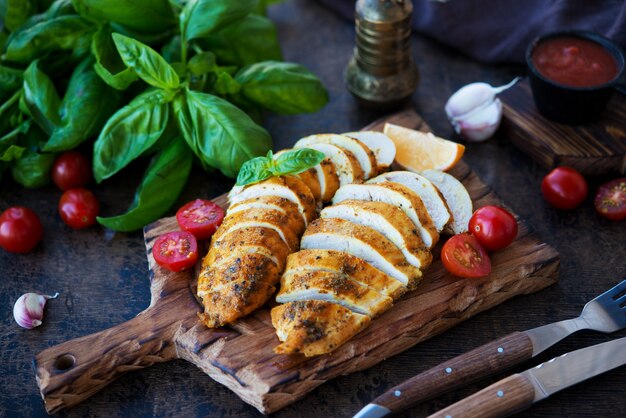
382	73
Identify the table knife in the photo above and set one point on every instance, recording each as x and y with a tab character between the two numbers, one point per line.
520	391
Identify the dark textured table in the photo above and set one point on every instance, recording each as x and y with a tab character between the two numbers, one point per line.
102	276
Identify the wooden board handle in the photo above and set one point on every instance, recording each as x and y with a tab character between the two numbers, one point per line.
483	361
503	398
71	372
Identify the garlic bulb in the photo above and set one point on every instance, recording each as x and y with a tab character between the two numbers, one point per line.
28	309
474	110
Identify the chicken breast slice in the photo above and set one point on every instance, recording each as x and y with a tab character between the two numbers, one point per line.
328	179
345	163
314	327
308	177
390	221
341	262
288	229
254	239
288	187
363	242
383	147
235	289
364	155
456	196
399	196
332	287
430	195
286	207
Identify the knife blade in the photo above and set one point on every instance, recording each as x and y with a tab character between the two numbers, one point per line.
520	391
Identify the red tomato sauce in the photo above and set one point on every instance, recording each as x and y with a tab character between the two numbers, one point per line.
574	62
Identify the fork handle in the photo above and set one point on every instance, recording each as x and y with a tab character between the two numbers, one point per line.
483	361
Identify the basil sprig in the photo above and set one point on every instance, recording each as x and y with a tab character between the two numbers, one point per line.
289	162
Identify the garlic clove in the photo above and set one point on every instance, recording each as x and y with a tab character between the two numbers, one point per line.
481	125
469	98
28	309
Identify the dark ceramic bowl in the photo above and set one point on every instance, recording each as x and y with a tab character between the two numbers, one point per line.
573	105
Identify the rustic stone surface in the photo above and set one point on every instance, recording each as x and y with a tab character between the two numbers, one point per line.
103	281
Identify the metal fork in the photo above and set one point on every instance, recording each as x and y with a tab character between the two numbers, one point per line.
606	313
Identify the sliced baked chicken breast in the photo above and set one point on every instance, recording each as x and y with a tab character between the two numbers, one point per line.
456	196
383	147
397	195
388	220
308	177
431	197
345	163
253	239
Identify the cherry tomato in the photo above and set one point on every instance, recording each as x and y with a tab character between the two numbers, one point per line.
176	251
463	256
20	229
493	227
71	170
200	217
564	188
78	208
610	200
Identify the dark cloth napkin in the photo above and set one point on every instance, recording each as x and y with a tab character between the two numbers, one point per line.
500	30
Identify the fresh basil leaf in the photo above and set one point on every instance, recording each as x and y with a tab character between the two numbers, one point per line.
17	11
32	170
245	42
253	171
153	39
171	50
14	152
109	64
147	63
61	33
40	99
10	138
87	105
10	112
163	182
150	16
296	161
60	8
202	63
129	132
10	78
226	84
220	134
282	87
202	17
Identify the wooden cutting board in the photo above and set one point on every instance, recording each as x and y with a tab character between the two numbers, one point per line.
593	149
241	356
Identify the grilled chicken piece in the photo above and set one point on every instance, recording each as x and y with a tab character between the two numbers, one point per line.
328	179
253	239
314	327
363	154
397	195
346	264
431	197
383	147
288	187
390	221
235	287
345	163
332	287
456	196
363	242
308	177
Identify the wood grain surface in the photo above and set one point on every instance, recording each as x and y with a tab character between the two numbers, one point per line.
241	356
102	276
593	149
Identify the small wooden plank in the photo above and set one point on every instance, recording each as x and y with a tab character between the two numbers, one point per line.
593	149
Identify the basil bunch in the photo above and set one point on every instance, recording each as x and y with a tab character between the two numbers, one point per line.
170	79
289	162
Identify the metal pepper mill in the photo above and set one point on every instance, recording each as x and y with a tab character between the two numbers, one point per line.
382	72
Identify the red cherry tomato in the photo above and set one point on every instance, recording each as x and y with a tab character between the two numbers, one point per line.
564	188
78	208
200	217
176	251
610	200
463	256
71	170
20	229
493	227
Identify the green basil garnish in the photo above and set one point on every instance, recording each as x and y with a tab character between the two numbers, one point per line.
290	162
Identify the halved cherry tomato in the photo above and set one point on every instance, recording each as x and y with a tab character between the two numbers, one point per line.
20	229
463	256
71	170
564	188
200	217
176	251
78	208
610	200
493	227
